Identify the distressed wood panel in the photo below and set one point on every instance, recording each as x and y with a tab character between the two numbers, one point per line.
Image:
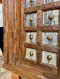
12	27
22	55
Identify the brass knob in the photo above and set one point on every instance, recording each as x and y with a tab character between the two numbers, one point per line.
49	37
31	36
51	16
49	57
31	19
31	53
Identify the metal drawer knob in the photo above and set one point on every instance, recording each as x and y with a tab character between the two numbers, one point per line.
31	37
31	53
31	19
49	37
51	16
49	57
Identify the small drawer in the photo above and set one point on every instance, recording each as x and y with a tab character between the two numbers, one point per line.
31	3
31	37
31	54
31	19
48	1
51	17
50	38
49	58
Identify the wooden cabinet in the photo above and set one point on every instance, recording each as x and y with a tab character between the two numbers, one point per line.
32	38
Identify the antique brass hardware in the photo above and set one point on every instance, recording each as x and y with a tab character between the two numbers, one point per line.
51	16
49	57
31	19
31	53
49	37
31	37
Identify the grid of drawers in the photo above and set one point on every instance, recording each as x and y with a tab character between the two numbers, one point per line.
41	36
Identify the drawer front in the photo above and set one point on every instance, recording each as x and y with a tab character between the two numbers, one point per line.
49	58
31	19
31	37
50	38
51	17
31	54
30	3
47	1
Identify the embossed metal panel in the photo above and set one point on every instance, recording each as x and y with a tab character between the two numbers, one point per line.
51	17
49	58
31	37
50	38
31	19
31	54
48	1
30	3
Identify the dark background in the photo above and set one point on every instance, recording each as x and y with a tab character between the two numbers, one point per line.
1	38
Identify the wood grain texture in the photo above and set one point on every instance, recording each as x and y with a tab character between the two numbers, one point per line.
14	14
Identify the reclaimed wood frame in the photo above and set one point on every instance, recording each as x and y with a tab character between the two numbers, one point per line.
13	14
